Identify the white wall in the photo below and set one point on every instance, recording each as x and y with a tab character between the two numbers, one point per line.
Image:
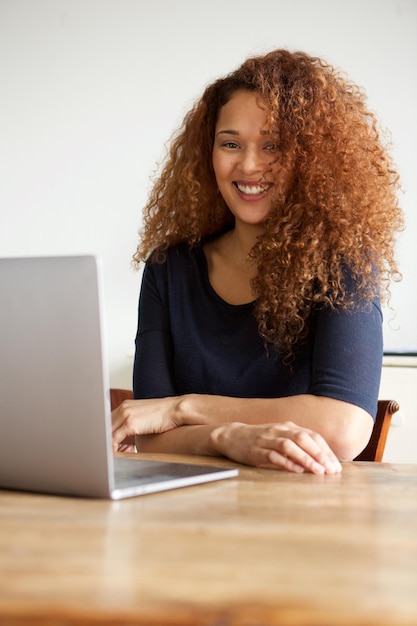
92	89
399	381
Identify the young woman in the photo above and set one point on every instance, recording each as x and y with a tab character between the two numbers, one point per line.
268	238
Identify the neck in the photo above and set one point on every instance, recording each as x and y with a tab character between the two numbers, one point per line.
242	240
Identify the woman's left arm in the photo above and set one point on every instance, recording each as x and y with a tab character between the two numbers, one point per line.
345	427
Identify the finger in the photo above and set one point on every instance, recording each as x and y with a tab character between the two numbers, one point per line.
115	420
127	444
313	443
123	428
288	456
263	454
310	450
125	447
299	448
120	435
320	452
124	413
323	449
279	460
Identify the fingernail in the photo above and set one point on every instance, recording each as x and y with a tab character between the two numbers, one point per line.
333	467
319	469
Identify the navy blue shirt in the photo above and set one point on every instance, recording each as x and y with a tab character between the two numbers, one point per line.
190	340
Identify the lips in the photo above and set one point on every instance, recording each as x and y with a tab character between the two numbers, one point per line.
252	189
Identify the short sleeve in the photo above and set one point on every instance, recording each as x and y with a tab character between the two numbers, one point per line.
347	355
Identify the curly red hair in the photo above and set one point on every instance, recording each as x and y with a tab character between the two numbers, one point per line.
341	209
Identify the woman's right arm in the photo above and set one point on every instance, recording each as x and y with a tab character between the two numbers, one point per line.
153	370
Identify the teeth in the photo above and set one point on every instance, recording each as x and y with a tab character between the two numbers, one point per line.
251	190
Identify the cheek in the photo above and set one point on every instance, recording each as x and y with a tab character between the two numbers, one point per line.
220	168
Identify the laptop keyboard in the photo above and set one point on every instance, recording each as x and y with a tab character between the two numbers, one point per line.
131	472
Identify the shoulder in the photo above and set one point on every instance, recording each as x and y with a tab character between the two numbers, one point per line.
177	255
176	265
360	292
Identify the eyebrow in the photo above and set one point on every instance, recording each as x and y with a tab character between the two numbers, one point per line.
236	132
227	132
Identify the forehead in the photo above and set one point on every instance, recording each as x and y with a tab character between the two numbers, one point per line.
242	108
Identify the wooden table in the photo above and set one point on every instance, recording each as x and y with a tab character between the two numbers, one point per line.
267	548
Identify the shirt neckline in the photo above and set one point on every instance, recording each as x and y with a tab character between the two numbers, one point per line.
206	280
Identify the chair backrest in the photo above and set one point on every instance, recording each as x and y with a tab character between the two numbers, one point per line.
374	451
118	395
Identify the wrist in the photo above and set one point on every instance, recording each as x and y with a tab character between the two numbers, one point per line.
187	411
216	439
222	438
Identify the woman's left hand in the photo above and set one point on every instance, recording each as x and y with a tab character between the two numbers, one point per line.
281	446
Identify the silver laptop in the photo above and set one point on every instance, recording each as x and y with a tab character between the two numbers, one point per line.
55	418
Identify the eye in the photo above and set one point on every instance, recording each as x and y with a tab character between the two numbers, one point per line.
271	147
230	144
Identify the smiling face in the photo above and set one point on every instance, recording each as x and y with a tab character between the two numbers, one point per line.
244	153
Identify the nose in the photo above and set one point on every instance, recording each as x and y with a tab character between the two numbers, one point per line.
252	161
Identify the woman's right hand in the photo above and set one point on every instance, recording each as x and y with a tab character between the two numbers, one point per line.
281	446
142	417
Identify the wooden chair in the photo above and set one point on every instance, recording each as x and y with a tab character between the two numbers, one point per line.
118	395
374	451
